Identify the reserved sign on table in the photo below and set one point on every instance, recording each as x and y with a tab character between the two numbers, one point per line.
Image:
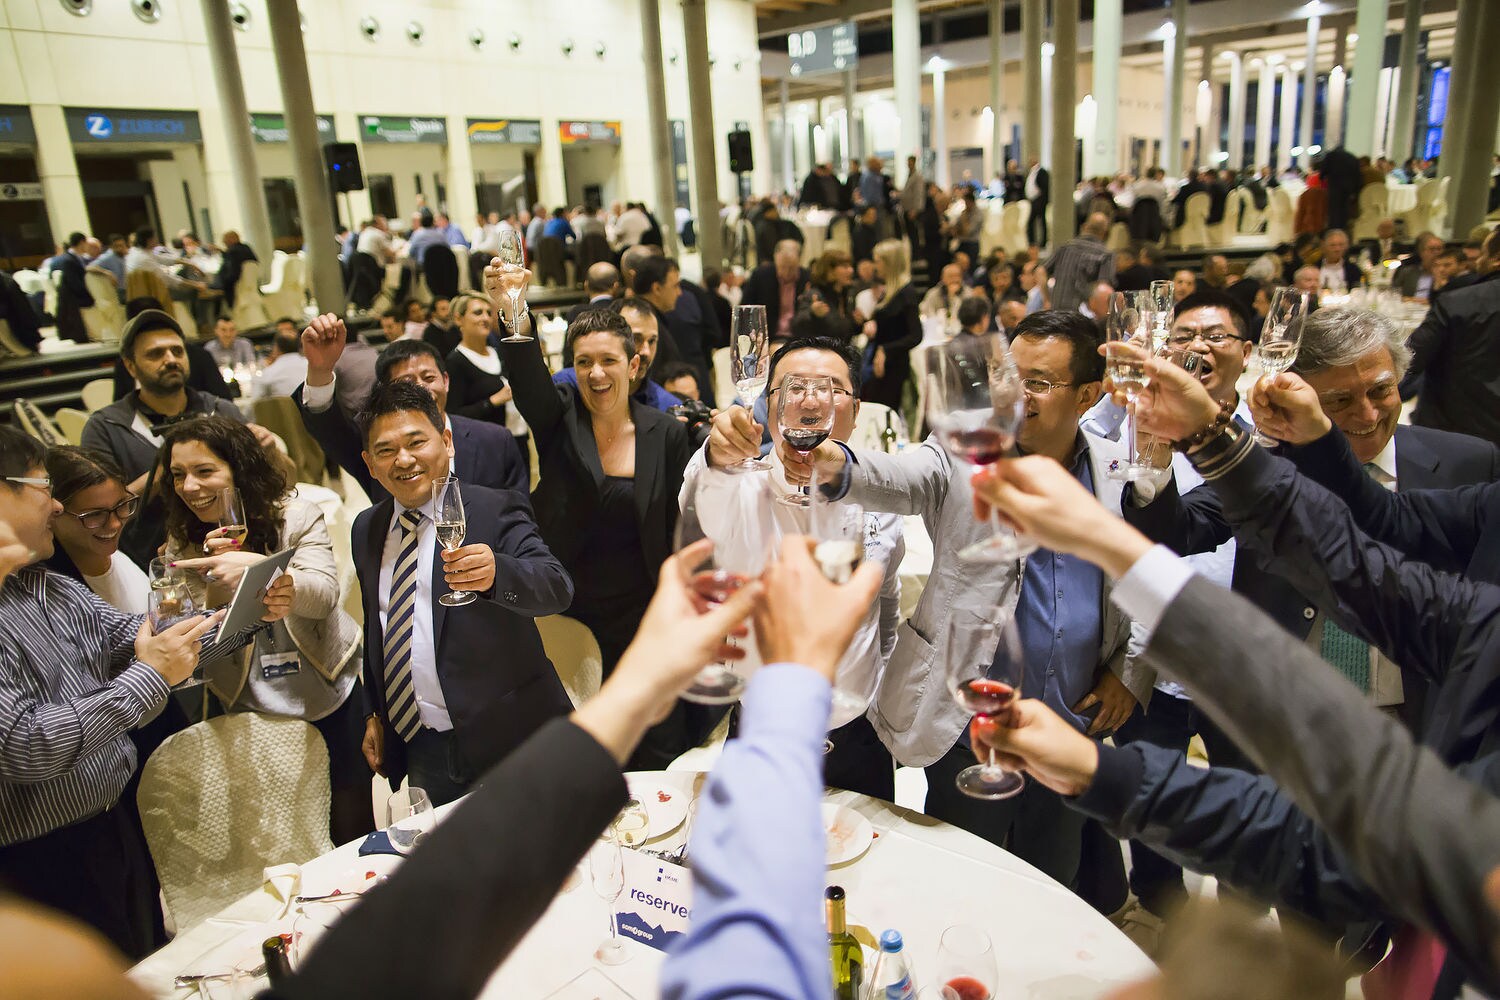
657	902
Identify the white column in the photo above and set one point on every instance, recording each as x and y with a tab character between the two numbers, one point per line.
1064	114
238	151
1236	112
1046	151
58	168
1333	131
854	139
663	190
1404	129
1176	66
1033	89
1202	115
997	76
906	64
702	134
1359	135
1265	108
1102	156
463	200
1213	114
788	180
940	121
1287	132
1309	91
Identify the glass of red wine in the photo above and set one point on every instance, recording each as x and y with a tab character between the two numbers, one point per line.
984	667
966	963
734	513
804	416
976	403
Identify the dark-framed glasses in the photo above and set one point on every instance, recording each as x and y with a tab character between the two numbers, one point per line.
96	519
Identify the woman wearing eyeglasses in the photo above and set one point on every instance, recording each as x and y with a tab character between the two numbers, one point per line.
96	506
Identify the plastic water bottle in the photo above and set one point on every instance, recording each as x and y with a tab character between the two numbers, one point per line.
892	979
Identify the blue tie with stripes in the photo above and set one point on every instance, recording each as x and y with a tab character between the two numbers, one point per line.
400	694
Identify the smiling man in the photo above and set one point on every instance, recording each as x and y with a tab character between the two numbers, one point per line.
448	693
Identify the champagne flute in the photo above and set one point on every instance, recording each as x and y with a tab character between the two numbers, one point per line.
838	530
750	366
976	404
804	414
1280	339
632	825
1163	304
411	819
232	520
987	684
1127	347
966	963
512	257
607	874
737	520
451	526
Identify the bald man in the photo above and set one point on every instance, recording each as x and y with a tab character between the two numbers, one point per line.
777	286
602	283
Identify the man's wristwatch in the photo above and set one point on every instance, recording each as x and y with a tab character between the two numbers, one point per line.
1222	452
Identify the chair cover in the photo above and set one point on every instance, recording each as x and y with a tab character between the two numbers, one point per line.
249	309
575	655
70	423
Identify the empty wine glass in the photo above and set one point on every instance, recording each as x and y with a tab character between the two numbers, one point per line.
976	404
966	963
984	667
170	600
512	257
1163	302
1127	347
804	415
451	526
411	819
749	366
737	519
607	873
839	529
1280	339
232	520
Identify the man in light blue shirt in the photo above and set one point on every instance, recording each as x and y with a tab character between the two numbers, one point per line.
758	841
113	261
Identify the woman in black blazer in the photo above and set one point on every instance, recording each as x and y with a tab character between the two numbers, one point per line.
610	471
898	327
476	382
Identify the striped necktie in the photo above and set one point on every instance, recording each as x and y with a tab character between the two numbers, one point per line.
1347	652
400	694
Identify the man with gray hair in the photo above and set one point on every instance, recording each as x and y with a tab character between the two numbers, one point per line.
1354	360
1081	263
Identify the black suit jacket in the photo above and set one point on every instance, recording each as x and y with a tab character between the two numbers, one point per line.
1194	522
485	454
1456	354
763	289
229	271
494	864
70	267
1043	186
496	679
567	493
580	308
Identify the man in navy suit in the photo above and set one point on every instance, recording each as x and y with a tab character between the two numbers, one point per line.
450	691
72	291
485	454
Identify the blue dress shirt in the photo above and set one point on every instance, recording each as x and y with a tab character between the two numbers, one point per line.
427	236
1059	618
758	853
650	394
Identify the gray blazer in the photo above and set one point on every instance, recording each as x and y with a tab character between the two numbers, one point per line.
916	717
1423	837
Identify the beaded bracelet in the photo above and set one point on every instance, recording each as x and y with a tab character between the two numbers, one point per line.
1226	413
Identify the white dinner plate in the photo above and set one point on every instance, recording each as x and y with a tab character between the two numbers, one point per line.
666	804
849	833
359	876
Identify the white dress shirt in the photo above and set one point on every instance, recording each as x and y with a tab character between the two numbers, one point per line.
281	377
431	706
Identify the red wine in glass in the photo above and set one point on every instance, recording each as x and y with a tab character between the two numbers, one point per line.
804	439
984	696
979	446
969	988
715	586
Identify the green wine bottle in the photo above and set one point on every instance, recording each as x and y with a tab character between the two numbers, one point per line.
848	956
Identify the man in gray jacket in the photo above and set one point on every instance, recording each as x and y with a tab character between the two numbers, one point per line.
1073	638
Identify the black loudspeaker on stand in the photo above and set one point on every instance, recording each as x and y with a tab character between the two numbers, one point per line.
342	160
741	158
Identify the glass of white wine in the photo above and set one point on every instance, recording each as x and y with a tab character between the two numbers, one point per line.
632	827
232	520
512	258
451	526
1280	339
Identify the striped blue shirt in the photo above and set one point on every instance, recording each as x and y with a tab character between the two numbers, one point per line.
70	689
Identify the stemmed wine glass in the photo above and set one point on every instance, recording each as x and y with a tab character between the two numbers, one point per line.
737	519
232	520
451	526
171	598
412	818
1163	301
966	963
987	684
1127	346
512	257
976	404
1280	339
607	874
750	366
804	413
838	531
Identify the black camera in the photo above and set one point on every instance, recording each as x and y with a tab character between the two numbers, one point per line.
693	412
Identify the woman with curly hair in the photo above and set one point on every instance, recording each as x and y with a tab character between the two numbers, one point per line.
305	666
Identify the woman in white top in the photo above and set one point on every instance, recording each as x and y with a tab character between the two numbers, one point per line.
476	387
96	506
305	666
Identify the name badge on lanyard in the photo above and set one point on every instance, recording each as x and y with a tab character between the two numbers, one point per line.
273	665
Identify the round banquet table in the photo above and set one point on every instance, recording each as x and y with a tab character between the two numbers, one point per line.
917	875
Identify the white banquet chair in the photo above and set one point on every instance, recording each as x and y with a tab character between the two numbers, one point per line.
97	394
1013	219
71	422
109	314
224	799
1279	216
575	655
286	292
1194	229
1373	199
249	311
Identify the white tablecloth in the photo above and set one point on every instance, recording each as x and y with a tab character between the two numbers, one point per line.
1400	198
918	876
